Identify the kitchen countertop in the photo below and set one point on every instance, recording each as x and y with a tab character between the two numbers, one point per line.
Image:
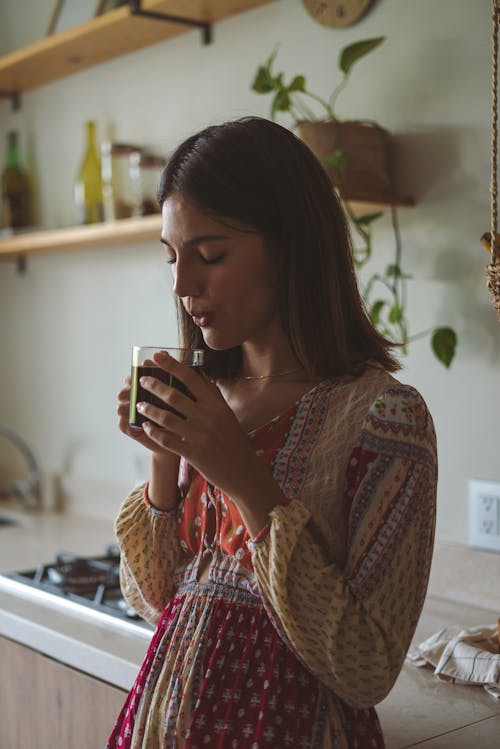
37	537
420	710
98	644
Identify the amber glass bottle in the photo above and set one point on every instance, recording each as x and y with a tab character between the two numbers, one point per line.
88	185
16	195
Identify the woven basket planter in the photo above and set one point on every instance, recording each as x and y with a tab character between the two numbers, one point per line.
493	284
364	175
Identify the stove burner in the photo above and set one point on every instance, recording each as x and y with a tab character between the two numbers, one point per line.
92	581
84	573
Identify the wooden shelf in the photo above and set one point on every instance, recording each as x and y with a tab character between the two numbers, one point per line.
105	37
363	207
125	231
113	233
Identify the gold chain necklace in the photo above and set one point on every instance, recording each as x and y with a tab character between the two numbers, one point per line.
269	376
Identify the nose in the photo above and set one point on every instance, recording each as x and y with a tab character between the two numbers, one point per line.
186	281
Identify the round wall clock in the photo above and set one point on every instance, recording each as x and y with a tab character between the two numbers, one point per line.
337	13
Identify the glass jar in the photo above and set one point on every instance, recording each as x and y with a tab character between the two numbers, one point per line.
15	196
150	168
121	180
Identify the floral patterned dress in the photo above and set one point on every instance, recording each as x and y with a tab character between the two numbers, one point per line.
299	632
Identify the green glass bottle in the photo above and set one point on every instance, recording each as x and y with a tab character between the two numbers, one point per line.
88	185
16	192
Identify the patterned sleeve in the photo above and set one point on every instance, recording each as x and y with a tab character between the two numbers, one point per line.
149	554
352	626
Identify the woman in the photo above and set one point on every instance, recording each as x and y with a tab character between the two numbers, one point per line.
282	545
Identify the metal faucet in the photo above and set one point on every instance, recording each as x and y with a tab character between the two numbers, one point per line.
29	489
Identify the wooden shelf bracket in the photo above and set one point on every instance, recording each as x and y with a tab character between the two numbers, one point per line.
14	97
21	264
205	28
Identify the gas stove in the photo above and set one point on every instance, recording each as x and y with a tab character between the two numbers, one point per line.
91	582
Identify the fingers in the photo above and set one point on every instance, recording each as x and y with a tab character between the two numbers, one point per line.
183	372
124	393
124	396
136	433
123	408
166	417
181	402
122	411
166	440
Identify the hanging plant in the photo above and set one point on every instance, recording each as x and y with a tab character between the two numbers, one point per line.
385	292
293	97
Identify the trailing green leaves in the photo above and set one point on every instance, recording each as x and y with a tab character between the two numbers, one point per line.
385	292
375	311
335	160
298	84
292	97
367	218
396	313
444	344
264	81
288	97
354	52
394	271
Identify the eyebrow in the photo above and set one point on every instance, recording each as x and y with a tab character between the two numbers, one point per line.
202	238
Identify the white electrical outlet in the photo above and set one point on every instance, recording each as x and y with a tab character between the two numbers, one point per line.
484	514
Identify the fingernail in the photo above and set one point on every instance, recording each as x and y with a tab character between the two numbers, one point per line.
140	407
144	381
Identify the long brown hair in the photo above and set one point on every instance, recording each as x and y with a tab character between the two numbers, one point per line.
260	173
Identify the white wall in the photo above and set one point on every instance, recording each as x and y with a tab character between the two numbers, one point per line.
67	325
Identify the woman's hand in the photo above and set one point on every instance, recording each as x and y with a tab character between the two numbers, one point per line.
163	492
206	432
135	433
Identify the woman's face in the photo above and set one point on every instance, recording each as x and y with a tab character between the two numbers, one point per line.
222	273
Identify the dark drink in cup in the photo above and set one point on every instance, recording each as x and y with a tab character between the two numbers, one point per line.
144	366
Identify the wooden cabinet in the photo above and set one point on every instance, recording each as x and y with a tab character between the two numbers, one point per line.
48	705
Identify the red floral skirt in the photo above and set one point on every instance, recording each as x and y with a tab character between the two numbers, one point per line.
217	675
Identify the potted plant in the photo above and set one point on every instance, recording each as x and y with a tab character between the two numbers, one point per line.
356	156
354	153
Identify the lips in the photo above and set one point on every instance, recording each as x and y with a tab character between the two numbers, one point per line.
201	318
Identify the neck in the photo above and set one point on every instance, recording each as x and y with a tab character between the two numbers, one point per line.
268	360
271	375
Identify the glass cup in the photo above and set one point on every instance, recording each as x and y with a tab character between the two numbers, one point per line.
143	365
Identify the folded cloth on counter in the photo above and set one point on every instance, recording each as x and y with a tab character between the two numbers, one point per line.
462	656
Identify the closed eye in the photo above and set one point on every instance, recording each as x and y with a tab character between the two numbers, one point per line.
214	260
204	260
